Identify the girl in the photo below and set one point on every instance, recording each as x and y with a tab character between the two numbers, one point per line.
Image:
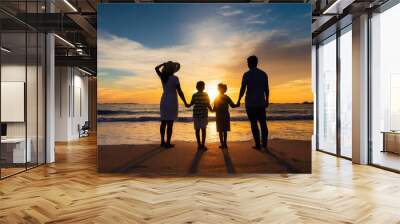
221	108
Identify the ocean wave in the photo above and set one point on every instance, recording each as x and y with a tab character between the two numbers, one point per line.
144	112
126	112
190	119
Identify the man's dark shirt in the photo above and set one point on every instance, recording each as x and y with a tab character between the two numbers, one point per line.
256	82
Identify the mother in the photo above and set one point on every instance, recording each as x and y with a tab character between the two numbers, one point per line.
169	99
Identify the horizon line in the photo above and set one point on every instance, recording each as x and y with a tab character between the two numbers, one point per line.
304	102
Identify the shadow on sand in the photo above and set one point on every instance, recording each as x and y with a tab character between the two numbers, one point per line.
136	163
228	162
195	162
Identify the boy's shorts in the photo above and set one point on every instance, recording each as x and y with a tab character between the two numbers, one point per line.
200	122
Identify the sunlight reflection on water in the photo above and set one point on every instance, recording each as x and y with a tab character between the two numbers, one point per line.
113	133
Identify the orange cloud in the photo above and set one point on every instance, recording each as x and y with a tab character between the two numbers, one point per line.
212	52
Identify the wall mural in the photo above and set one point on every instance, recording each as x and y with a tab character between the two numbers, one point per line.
204	89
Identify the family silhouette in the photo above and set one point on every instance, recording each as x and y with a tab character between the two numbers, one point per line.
254	87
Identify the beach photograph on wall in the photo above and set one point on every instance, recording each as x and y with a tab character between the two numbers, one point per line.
204	89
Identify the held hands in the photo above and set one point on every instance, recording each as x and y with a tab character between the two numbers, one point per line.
187	105
237	104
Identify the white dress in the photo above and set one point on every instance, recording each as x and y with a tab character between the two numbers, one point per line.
169	99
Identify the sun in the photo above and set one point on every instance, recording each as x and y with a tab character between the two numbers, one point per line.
212	91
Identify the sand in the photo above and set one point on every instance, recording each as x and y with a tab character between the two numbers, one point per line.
283	156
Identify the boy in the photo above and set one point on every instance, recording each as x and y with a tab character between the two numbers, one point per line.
201	103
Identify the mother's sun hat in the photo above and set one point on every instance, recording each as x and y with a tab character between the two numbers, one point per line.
171	67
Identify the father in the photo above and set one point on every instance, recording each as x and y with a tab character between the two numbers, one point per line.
255	81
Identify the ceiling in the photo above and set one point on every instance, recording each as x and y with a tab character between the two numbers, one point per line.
75	21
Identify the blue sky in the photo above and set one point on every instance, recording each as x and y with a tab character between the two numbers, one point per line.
146	23
211	41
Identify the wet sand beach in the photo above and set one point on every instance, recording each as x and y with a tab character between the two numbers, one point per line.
283	156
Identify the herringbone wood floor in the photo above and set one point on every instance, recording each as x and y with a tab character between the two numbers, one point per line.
71	191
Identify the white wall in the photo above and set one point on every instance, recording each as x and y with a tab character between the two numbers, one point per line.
71	102
33	126
62	82
12	73
79	103
17	73
82	83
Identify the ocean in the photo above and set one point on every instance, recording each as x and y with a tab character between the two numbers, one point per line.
139	124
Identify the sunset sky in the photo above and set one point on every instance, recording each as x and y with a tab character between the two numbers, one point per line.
210	41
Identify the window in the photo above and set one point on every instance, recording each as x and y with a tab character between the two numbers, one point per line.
22	78
346	92
327	95
385	89
334	94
